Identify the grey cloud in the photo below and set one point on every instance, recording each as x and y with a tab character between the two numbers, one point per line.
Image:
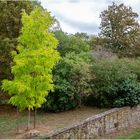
96	6
74	1
80	26
61	1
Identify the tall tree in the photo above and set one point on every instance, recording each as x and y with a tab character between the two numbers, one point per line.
10	17
120	29
33	63
10	26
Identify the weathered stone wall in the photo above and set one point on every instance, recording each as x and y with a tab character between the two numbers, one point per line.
98	125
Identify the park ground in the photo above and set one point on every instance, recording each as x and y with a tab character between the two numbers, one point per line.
49	122
129	133
46	122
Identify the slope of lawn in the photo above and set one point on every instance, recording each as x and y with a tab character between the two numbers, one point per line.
46	122
135	134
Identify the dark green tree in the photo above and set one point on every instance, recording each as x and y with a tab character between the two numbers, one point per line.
120	29
10	26
10	17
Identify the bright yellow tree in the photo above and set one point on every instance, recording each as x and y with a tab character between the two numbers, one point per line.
33	63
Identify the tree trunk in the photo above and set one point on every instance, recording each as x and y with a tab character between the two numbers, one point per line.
35	111
29	119
17	120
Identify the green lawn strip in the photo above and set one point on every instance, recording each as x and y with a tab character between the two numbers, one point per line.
46	122
8	124
133	135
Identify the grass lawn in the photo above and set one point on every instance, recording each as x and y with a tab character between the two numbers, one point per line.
46	122
132	132
135	134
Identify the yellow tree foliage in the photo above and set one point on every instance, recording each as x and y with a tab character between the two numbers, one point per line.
33	64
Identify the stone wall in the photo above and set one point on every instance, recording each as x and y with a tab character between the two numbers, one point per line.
98	125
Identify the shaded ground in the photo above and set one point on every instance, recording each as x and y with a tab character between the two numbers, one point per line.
47	122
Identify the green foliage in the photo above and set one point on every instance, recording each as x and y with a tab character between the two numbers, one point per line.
120	29
6	46
72	73
36	3
134	66
134	134
83	36
128	93
96	41
34	62
70	43
10	17
10	26
115	83
72	82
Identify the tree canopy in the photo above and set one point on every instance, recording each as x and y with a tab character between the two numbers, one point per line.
34	61
70	43
120	29
10	27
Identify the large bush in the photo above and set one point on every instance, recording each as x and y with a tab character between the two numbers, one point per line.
128	92
134	66
115	83
72	83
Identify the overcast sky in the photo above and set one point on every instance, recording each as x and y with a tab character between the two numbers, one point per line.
82	15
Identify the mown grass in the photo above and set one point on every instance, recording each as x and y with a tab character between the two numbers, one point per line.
8	125
135	134
46	122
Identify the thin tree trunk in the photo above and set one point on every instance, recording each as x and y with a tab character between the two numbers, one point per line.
29	119
17	120
35	112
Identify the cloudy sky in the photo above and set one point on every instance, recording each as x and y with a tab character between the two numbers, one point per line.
82	15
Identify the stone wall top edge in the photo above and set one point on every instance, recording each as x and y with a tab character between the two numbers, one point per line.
92	118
